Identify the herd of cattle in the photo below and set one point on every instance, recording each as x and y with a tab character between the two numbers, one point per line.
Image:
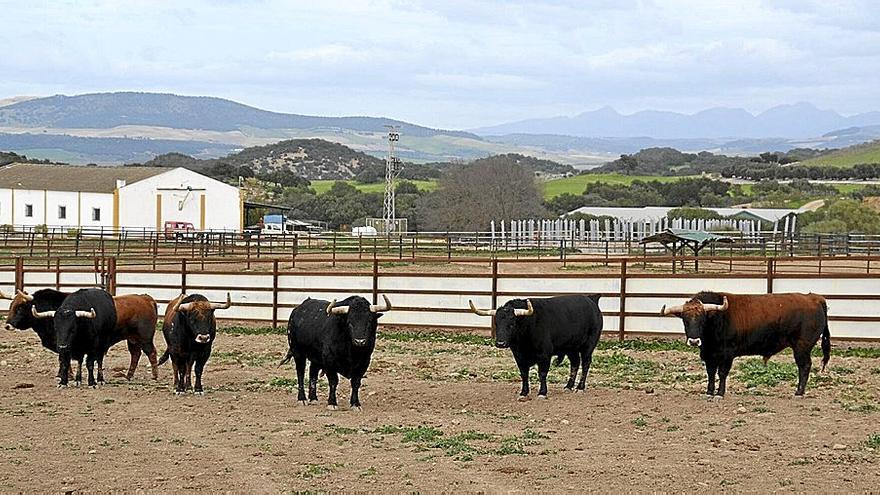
338	337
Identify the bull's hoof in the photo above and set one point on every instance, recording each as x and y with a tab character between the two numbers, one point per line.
356	408
542	397
179	393
93	386
580	391
709	396
332	408
62	385
77	383
523	398
58	379
717	398
301	402
798	396
568	390
199	392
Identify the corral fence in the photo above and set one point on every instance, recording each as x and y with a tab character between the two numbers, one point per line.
633	289
152	247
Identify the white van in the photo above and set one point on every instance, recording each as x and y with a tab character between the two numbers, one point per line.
364	231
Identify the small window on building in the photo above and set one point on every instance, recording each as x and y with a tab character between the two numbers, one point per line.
62	212
28	210
96	214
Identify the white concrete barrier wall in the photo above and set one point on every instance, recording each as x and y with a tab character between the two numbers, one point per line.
252	294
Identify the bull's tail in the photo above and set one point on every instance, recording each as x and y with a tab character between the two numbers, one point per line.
826	340
164	358
286	358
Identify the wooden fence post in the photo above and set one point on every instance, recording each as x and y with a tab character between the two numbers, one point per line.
375	281
494	292
19	273
58	273
621	331
111	276
275	294
183	276
770	276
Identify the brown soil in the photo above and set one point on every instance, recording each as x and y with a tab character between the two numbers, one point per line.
437	416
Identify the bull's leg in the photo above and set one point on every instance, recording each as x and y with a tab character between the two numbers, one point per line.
313	383
176	376
64	363
586	362
524	376
79	372
154	363
711	369
100	361
804	363
135	351
180	367
60	367
543	369
575	360
187	381
300	362
723	371
333	379
90	364
355	401
199	368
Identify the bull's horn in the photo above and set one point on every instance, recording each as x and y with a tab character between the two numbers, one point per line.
716	307
525	312
225	305
336	310
86	314
184	307
3	295
672	310
481	312
27	297
376	308
42	314
176	307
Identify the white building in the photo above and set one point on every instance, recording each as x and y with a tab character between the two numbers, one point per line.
117	197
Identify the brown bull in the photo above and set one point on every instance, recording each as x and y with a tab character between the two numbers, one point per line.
725	326
136	317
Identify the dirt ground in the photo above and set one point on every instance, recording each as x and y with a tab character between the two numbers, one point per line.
440	415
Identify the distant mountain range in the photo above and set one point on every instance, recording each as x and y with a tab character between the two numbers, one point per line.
106	110
797	121
124	127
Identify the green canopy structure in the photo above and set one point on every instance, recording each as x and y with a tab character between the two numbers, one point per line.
677	239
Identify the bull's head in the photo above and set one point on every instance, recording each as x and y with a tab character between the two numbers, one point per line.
694	314
198	314
360	318
505	319
19	315
65	321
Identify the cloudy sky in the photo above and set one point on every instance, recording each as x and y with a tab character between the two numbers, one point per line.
450	63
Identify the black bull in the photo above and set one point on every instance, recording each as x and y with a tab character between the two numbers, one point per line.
535	330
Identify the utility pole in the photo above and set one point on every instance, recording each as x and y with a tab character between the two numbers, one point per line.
393	168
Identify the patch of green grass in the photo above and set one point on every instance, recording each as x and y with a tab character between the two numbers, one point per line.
322	186
753	374
646	345
873	441
341	430
247	358
848	157
857	352
421	434
619	367
238	330
370	471
283	382
576	184
640	422
315	471
439	337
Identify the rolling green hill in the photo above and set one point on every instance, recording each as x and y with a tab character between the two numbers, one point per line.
577	184
848	157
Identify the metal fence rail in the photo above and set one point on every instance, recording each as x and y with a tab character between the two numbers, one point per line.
631	295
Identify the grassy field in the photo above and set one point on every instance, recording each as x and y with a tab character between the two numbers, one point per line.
847	157
322	186
577	184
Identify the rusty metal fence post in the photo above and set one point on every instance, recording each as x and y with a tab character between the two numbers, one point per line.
494	292
375	281
183	276
19	273
275	294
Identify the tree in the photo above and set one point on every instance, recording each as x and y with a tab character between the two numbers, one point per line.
844	216
470	197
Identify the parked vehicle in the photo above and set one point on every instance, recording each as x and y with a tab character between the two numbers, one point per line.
179	230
